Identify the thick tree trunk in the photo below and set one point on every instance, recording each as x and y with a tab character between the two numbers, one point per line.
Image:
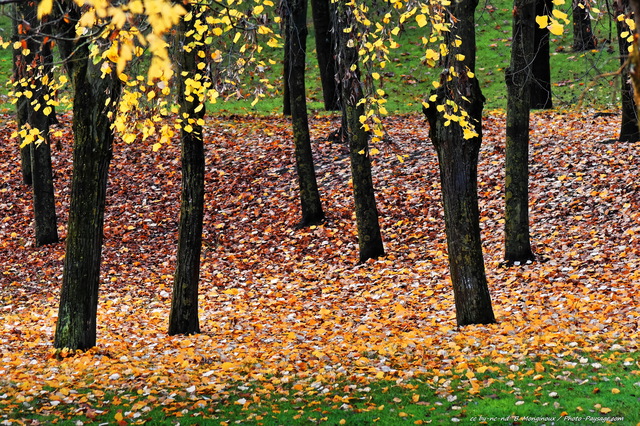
583	38
518	77
309	195
369	235
321	12
541	83
92	152
458	162
184	303
629	131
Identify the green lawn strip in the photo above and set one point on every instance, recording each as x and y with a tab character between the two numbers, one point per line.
580	389
407	81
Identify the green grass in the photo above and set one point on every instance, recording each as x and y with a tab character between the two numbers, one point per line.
579	389
6	62
407	81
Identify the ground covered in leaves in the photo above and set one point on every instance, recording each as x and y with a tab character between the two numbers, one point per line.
286	307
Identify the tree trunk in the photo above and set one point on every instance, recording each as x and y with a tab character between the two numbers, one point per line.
541	83
518	77
19	71
286	64
311	205
634	56
629	131
33	68
184	302
92	152
458	163
321	12
583	38
369	235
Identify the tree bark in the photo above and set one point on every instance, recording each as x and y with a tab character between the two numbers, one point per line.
634	56
458	163
321	13
583	38
92	152
369	235
518	77
183	318
310	202
286	63
541	83
629	131
19	70
33	68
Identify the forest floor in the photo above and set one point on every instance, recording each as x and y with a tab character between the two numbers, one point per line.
285	306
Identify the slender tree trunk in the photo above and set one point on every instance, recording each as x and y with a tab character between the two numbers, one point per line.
321	12
34	67
541	84
629	131
634	56
19	71
286	64
458	162
184	303
309	195
369	235
92	152
583	38
518	77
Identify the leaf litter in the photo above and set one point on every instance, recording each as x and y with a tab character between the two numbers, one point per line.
281	306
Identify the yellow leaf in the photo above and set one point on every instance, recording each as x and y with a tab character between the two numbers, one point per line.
605	410
556	28
44	8
421	20
543	21
615	391
558	14
232	291
119	417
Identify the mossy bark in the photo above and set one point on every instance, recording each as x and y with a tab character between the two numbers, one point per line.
92	152
518	77
183	318
458	163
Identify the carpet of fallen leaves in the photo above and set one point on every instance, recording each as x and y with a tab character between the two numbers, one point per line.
283	305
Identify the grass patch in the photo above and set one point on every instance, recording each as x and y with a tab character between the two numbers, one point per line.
579	390
6	61
406	80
